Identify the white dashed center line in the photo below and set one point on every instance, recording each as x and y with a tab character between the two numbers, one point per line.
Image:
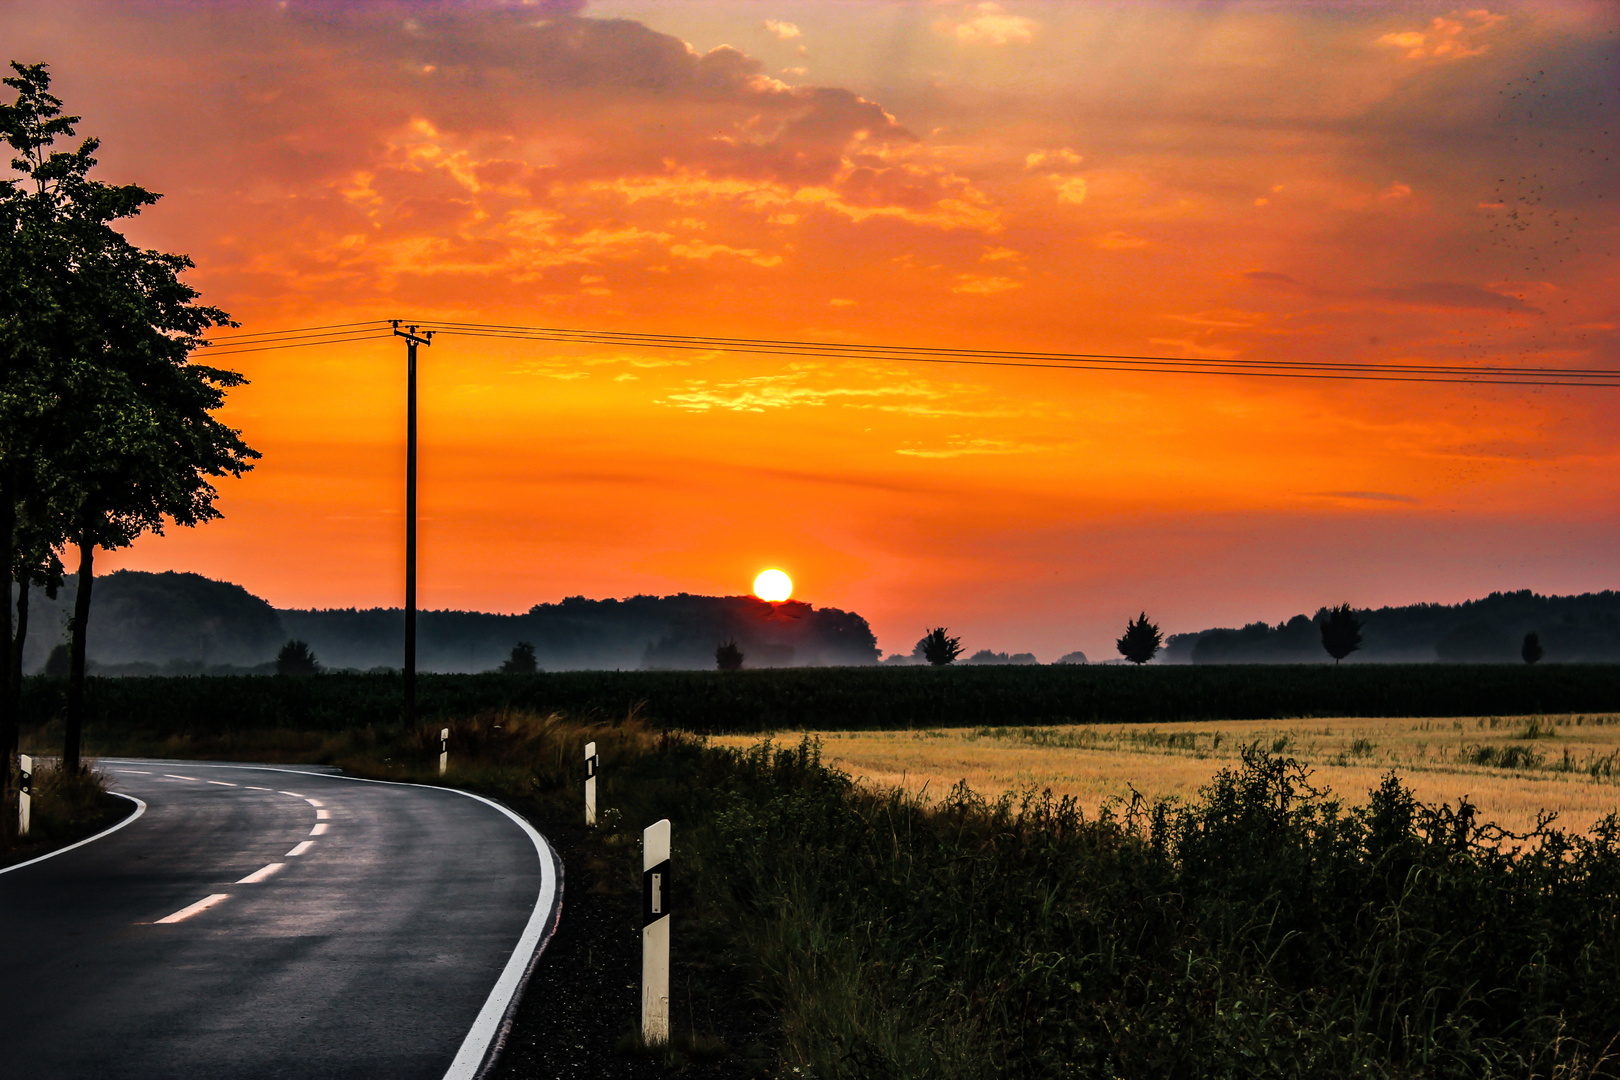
134	772
303	846
250	787
294	794
200	906
314	802
221	783
171	776
261	873
322	815
319	830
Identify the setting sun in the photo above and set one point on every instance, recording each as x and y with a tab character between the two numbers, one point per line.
773	585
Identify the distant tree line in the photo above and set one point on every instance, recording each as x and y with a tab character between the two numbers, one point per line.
1504	627
106	425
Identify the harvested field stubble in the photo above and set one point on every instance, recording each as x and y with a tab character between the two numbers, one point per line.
1513	768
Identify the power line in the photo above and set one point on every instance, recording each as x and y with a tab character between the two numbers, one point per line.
1482	375
1441	373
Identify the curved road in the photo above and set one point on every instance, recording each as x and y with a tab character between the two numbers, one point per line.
259	921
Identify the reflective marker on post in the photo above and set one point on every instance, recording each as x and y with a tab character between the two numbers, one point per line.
25	792
590	783
444	750
655	897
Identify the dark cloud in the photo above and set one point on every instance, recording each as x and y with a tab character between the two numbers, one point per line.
1452	294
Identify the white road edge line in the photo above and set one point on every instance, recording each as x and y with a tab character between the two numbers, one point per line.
187	912
303	846
261	873
489	1030
140	808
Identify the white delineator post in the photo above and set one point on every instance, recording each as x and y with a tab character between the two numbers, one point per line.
590	783
444	750
25	792
655	934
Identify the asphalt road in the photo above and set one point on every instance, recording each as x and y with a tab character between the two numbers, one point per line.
256	922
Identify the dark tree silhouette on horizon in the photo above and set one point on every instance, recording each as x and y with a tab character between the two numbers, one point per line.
938	647
107	427
522	661
1141	640
1531	650
728	657
1341	632
296	659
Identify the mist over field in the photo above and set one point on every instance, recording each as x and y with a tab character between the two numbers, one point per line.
174	623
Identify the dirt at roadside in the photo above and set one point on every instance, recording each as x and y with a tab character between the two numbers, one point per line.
583	1000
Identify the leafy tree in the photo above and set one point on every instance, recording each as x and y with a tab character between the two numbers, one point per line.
728	657
1531	649
522	660
1141	640
295	658
938	648
116	421
56	664
1341	632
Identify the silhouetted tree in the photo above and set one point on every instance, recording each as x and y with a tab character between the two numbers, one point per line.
1141	640
938	648
1531	649
1341	632
522	661
127	440
295	658
728	657
56	664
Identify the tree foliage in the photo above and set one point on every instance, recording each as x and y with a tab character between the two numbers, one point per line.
1531	650
1341	632
295	658
938	647
522	661
728	657
1141	640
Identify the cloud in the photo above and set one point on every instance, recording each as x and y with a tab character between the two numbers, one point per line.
1367	496
1064	156
1454	38
1452	294
1119	241
991	25
782	31
975	284
1070	189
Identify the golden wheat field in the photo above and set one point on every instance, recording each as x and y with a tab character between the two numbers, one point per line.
1512	767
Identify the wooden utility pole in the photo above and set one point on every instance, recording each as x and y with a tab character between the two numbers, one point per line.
412	340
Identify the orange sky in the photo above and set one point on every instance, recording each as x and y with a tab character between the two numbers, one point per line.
1347	182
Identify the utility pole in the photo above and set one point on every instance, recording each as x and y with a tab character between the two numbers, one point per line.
411	342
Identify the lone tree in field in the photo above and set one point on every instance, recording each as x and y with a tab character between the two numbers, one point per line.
1341	632
938	648
1531	649
1141	641
728	657
522	661
295	658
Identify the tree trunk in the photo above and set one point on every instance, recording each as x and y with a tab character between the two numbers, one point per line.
81	623
8	716
17	643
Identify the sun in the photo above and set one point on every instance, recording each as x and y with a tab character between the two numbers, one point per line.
773	585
